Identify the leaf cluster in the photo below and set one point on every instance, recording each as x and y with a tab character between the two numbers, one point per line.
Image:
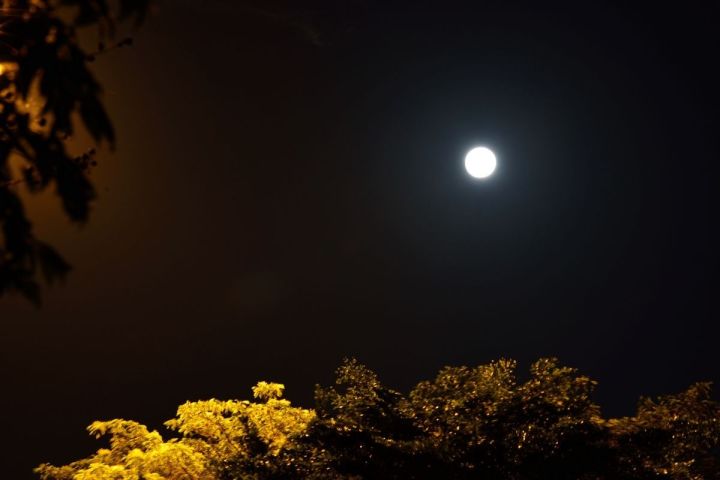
467	423
46	87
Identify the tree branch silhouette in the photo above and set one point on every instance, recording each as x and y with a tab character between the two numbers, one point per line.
43	63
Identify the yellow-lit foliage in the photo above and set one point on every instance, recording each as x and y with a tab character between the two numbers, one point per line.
222	429
135	453
466	423
213	432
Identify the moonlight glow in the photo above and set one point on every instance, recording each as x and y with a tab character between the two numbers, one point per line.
480	162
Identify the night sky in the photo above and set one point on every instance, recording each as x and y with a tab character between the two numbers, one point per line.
288	190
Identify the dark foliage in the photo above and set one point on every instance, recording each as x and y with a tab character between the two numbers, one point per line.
44	82
467	423
481	423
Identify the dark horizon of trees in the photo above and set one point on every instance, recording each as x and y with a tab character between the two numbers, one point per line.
467	423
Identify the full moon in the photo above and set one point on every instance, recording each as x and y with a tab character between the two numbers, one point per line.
480	162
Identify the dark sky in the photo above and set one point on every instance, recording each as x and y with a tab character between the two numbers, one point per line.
288	190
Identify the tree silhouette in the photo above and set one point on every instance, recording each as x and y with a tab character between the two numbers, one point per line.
467	423
45	82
